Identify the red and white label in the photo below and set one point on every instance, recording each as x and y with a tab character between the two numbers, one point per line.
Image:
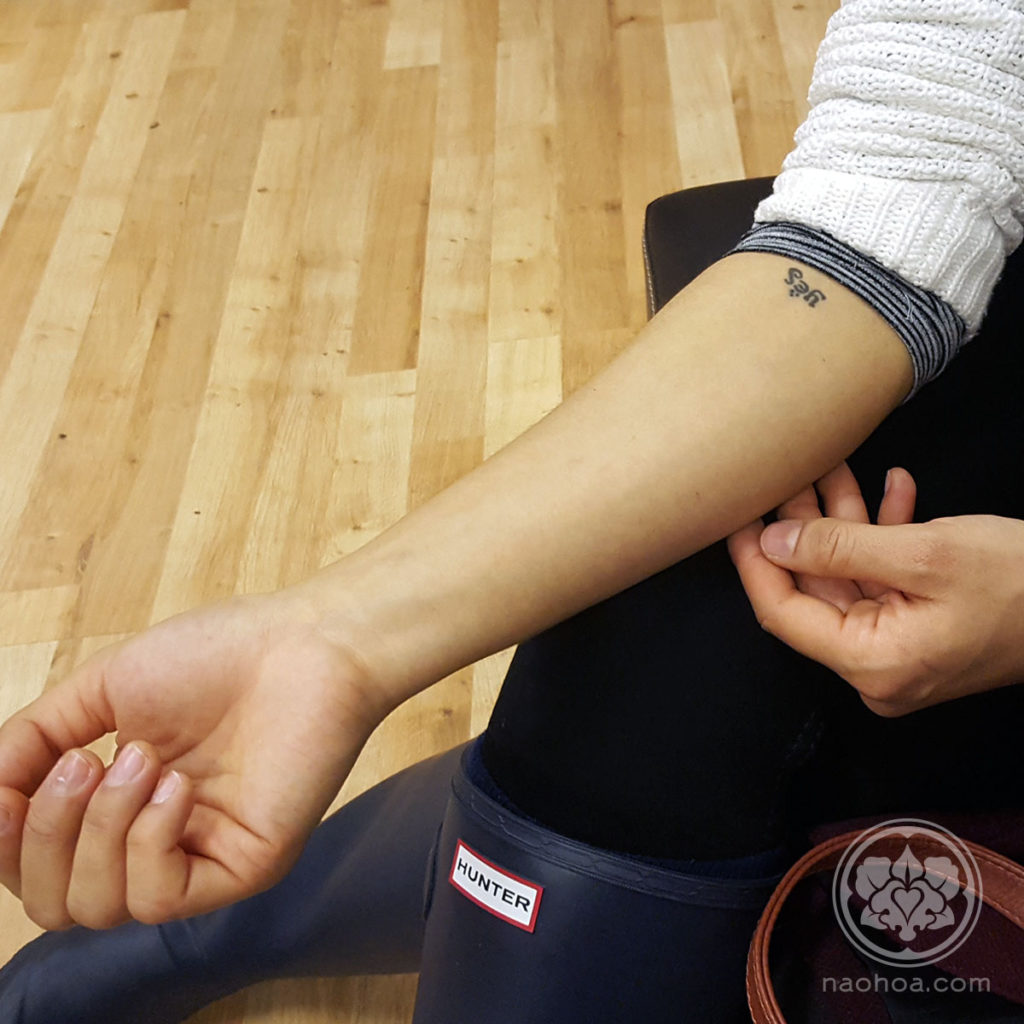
509	897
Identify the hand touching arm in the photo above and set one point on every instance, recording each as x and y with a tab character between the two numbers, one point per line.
734	397
669	449
909	614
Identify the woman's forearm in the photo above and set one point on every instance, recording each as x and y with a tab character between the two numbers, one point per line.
734	397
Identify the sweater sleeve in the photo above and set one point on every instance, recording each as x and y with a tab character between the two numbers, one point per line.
912	155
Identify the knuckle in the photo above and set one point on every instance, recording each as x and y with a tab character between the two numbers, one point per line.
881	692
264	864
836	545
933	551
769	622
891	689
43	830
98	824
139	853
48	918
884	709
90	916
151	908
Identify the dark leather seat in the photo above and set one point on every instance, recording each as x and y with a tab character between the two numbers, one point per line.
685	232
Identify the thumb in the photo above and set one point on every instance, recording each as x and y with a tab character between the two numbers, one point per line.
71	714
841	549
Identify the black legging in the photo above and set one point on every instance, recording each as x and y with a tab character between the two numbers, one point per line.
665	722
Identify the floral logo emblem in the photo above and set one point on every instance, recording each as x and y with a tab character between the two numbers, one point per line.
907	882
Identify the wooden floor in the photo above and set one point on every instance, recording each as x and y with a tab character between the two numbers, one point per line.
274	271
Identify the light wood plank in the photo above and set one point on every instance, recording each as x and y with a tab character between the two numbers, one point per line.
650	161
385	335
126	568
523	385
414	34
707	135
448	425
761	92
591	231
96	450
31	616
43	55
801	27
524	283
16	30
675	11
24	668
306	52
30	230
49	342
19	136
371	460
236	428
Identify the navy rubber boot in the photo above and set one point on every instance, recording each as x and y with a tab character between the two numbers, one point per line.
352	904
528	927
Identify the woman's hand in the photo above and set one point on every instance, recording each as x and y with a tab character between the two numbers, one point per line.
909	614
236	724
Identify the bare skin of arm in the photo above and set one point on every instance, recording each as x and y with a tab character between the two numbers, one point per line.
245	717
735	397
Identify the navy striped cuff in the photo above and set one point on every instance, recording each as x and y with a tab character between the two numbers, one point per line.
930	328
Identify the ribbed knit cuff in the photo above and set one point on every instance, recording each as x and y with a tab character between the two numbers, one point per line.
930	328
936	235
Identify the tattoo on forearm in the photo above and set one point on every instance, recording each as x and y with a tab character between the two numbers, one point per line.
800	288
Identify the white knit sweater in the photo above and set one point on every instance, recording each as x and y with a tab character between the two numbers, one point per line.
913	151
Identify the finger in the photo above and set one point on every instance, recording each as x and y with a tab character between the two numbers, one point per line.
805	506
51	831
157	868
13	808
71	714
96	893
809	625
841	497
801	506
745	545
166	881
895	509
757	572
764	582
900	497
892	555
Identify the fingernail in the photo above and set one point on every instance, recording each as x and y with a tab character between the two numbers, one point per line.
5	820
167	788
128	766
779	539
73	771
888	477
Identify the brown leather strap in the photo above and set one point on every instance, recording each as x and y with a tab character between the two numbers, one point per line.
1002	885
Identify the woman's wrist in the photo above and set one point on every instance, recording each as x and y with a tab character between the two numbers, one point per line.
326	611
385	612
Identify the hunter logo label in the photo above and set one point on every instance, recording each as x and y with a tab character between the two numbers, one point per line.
509	897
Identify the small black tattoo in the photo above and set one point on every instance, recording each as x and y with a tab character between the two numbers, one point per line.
798	286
